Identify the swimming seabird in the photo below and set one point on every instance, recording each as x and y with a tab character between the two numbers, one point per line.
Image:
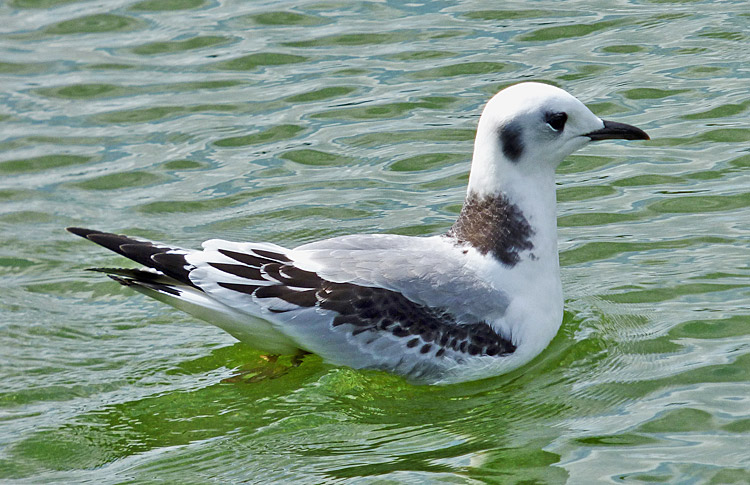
478	301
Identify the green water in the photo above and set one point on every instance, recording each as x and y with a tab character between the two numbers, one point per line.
181	120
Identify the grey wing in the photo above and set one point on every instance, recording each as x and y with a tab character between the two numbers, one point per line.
431	271
346	322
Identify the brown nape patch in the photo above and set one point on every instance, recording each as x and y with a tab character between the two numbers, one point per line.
493	225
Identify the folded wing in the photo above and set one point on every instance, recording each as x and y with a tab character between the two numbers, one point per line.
382	302
366	304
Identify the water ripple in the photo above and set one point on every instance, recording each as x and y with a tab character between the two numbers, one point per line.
181	120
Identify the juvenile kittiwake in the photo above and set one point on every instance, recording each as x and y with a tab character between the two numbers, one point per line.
478	301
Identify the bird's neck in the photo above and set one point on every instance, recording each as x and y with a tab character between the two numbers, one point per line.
514	222
516	226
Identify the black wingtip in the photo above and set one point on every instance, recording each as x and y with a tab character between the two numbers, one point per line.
167	260
80	231
154	286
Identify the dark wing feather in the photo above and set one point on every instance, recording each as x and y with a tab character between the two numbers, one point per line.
345	322
281	288
168	260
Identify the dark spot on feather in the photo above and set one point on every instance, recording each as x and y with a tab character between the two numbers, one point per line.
363	303
249	289
359	322
305	298
369	313
240	270
302	298
136	250
412	343
246	258
272	255
271	291
425	348
272	270
297	277
161	288
341	306
174	265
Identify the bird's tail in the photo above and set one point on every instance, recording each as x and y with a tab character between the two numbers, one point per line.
167	260
166	278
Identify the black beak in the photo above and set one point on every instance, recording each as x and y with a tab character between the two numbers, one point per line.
617	131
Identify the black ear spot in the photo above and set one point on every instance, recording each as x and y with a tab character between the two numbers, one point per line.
510	136
556	120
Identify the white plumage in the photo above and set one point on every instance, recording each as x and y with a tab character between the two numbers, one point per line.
481	300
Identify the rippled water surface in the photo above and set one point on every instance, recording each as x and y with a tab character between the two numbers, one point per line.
181	120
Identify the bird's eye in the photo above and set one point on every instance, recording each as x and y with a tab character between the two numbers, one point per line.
556	120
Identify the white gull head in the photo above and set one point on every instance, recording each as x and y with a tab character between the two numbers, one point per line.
528	129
